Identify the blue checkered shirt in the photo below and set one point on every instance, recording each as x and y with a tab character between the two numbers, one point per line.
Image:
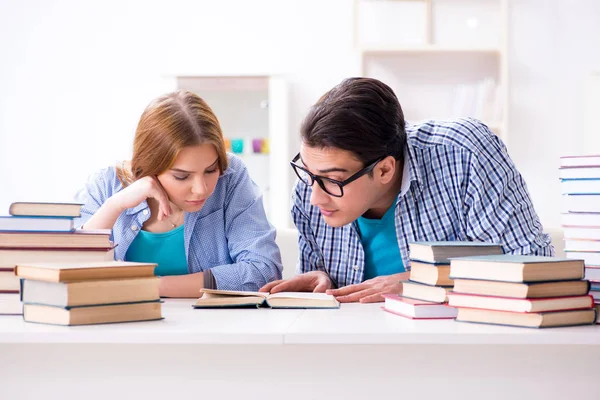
460	185
230	235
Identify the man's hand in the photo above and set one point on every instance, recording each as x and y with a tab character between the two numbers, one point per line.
314	281
370	291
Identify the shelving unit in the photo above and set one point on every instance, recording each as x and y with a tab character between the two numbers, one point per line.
443	58
251	108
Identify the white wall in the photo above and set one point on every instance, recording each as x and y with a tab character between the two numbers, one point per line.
75	76
553	47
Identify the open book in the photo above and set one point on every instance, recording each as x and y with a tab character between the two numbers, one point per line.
230	298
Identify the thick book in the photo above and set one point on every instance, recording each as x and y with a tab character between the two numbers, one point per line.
9	282
588	257
417	309
581	202
528	320
85	293
47	240
515	268
580	186
581	232
421	291
89	315
520	305
72	272
45	209
574	245
36	224
212	298
9	258
522	290
585	172
10	304
581	219
441	252
580	161
592	272
430	274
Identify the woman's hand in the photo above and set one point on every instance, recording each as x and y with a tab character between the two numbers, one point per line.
130	197
147	187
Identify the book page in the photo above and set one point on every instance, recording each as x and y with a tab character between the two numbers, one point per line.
301	295
234	293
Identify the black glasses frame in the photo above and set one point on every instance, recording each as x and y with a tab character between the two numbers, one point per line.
319	179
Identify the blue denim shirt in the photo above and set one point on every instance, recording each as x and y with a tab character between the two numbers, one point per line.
230	235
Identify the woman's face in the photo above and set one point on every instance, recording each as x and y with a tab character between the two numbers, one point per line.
192	178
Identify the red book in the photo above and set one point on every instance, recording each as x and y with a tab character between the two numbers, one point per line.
417	309
520	305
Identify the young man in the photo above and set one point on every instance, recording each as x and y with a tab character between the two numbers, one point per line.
382	183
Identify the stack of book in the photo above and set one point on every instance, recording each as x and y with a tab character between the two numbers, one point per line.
424	295
580	187
525	291
44	232
89	293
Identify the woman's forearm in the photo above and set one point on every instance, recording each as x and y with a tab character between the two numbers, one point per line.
105	217
182	286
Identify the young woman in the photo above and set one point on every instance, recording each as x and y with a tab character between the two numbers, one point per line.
184	203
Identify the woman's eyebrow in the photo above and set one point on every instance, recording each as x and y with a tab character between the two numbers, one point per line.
183	171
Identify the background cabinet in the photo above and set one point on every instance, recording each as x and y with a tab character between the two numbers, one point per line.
253	114
443	58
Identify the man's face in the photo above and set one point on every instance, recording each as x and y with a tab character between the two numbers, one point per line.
338	164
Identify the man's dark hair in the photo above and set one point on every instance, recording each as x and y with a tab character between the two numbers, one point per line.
360	115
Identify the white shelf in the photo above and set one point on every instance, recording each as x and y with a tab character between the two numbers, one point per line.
251	107
456	66
374	50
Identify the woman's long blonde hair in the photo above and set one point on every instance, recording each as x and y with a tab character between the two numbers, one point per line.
170	123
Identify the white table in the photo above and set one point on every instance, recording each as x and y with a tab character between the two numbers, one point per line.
357	352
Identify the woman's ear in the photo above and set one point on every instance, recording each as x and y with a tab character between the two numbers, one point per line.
386	169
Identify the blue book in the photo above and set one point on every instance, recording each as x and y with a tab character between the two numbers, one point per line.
36	224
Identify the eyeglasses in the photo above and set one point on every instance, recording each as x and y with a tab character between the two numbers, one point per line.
330	186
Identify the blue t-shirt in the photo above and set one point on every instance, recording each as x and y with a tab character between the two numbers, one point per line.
378	238
165	249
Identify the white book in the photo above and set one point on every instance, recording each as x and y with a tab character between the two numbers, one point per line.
579	172
581	233
582	245
592	274
580	186
581	203
580	161
581	219
588	257
10	304
36	224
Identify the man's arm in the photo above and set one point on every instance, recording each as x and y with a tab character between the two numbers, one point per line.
497	205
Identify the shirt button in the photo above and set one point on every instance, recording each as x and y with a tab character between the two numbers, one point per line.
134	227
145	212
355	268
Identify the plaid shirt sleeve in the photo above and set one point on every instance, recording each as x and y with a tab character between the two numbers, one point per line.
497	204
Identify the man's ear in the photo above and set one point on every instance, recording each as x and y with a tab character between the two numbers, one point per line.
386	169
